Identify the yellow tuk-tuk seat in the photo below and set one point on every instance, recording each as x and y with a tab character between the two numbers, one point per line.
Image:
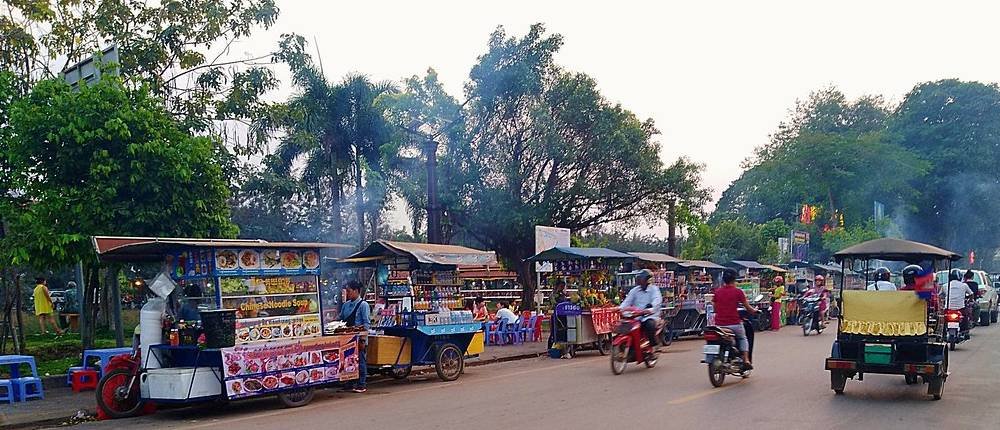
883	313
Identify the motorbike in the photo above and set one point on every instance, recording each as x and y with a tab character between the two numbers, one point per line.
722	353
958	327
809	315
763	319
629	344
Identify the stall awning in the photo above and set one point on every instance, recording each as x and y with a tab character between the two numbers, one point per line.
827	267
655	257
119	248
427	253
485	272
700	264
747	264
774	268
561	253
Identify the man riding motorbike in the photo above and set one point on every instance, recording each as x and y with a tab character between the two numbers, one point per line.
957	292
643	296
819	289
882	281
726	300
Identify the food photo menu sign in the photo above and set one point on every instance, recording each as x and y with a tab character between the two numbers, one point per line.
258	369
236	262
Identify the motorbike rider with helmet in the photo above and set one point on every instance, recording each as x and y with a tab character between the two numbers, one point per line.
882	281
643	296
819	289
957	292
726	300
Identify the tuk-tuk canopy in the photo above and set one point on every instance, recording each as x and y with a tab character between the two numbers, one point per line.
426	253
562	253
895	250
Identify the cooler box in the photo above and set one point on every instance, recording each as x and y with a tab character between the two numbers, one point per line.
385	349
878	354
175	383
477	346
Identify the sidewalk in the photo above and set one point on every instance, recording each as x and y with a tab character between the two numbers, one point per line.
62	405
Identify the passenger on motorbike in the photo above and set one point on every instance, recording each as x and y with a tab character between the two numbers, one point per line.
882	281
643	296
726	300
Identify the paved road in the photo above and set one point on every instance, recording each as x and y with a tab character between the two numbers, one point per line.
789	388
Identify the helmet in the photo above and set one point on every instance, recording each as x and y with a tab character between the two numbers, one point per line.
910	274
644	274
779	280
955	275
883	274
820	280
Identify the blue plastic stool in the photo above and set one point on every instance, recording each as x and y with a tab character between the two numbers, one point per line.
25	385
9	395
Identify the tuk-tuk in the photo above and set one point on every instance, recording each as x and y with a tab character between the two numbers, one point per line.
891	332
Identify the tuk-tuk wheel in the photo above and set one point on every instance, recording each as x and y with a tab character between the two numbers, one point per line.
296	398
935	387
910	379
400	372
838	380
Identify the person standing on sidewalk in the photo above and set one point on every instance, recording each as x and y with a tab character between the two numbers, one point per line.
356	313
43	307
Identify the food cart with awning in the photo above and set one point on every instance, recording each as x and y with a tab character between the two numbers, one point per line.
237	319
422	322
694	280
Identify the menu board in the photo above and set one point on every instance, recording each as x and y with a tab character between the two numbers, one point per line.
271	306
265	285
277	328
257	369
244	261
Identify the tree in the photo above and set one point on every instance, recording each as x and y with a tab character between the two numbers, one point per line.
179	49
546	148
103	160
838	239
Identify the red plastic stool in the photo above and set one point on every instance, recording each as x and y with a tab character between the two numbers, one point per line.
85	379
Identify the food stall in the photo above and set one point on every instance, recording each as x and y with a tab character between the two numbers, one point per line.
694	283
236	319
422	322
490	282
586	321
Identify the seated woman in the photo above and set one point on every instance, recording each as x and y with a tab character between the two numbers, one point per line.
479	310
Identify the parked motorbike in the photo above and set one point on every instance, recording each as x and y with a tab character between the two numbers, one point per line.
629	344
722	353
809	315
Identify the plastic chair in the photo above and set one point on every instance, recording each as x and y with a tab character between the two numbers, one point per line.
492	331
512	331
84	379
538	328
69	374
7	396
528	330
24	388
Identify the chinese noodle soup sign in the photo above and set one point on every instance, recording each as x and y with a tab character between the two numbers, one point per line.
259	369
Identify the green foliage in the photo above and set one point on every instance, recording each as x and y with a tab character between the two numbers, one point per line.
838	239
104	160
621	240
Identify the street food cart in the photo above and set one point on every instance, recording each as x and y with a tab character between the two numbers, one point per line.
694	283
423	322
892	332
240	319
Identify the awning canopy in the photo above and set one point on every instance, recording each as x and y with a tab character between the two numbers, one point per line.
700	264
828	267
654	257
747	264
427	253
895	250
152	249
774	268
561	253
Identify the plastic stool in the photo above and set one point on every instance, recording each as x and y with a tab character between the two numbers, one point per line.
25	385
70	371
9	394
85	379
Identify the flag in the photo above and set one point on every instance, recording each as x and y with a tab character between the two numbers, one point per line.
924	283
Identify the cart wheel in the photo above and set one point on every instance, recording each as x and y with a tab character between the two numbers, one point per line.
400	372
114	396
449	363
297	397
666	337
604	345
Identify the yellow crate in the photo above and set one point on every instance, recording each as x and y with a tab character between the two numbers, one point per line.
477	346
385	349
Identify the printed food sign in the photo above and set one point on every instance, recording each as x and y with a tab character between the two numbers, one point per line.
270	306
277	328
251	370
249	286
230	262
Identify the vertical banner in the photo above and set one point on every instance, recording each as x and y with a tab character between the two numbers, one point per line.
547	238
800	245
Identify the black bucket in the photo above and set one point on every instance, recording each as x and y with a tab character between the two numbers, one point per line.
220	328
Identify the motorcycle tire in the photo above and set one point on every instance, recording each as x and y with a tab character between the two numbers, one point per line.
994	315
910	379
112	399
984	319
951	345
619	358
806	324
716	373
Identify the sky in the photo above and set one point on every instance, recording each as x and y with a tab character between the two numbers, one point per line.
716	77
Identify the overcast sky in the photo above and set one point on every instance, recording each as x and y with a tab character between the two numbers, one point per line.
717	77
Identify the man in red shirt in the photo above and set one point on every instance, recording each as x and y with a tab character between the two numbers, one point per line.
727	299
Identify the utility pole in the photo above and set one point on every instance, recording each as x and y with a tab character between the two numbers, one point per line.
433	207
672	228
